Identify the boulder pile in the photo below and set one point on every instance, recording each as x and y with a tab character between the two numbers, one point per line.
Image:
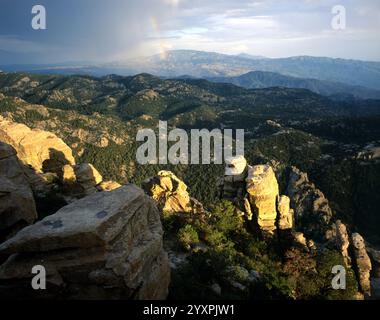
170	194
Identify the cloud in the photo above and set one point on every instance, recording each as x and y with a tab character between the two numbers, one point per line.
14	44
118	29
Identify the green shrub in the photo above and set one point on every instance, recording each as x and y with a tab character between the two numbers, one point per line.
188	236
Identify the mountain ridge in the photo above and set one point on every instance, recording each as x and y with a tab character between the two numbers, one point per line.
265	79
211	64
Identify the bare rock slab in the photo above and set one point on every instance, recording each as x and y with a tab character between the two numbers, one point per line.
107	245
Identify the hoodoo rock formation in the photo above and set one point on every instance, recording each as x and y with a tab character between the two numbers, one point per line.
342	241
106	245
256	190
362	263
285	213
263	191
304	211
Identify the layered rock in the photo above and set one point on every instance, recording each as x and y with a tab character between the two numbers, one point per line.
17	206
108	186
106	245
311	208
263	191
170	193
362	263
41	150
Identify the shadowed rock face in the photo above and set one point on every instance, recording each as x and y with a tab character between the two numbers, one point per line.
106	245
311	209
17	207
285	213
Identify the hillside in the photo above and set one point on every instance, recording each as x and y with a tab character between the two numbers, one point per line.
181	102
260	79
99	118
320	153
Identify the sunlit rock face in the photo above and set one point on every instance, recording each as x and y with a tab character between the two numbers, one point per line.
170	193
362	263
17	206
41	150
105	246
342	241
285	213
263	191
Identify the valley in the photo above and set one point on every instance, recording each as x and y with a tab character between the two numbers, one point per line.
335	142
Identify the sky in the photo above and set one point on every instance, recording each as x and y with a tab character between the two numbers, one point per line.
101	31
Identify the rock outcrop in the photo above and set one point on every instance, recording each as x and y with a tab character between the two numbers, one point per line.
17	206
233	182
41	150
171	194
105	246
68	174
311	208
263	191
108	186
362	263
285	213
342	241
88	177
255	191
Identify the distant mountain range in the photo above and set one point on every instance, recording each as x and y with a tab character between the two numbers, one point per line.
336	74
208	64
263	79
